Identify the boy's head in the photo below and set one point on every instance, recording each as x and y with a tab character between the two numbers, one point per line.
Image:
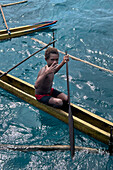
49	51
51	55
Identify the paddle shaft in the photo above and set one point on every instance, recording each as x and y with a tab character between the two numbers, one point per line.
27	58
5	20
71	123
53	39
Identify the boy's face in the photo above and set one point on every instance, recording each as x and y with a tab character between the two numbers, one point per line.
52	59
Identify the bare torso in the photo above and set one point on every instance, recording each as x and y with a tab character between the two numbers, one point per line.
44	87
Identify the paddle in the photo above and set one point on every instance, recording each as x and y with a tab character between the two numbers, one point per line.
5	20
70	118
27	58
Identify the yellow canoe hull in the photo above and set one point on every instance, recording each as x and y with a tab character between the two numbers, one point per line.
85	121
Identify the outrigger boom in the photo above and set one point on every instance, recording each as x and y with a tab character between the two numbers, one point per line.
85	121
15	3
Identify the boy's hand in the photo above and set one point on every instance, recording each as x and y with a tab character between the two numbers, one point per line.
51	69
66	58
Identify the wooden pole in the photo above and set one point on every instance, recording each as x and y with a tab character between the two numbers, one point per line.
77	59
27	58
70	118
29	148
5	20
4	5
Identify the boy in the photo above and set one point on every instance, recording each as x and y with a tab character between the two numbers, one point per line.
43	86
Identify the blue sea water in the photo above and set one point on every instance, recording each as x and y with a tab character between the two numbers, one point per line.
85	30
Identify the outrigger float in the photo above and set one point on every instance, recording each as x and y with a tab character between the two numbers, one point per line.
85	121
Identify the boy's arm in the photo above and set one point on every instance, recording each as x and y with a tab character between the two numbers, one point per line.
40	78
65	59
43	73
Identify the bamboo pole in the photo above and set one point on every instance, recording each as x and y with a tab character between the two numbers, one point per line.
77	59
4	5
27	58
4	20
29	148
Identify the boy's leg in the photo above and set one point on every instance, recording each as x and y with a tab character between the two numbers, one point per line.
52	101
63	96
55	101
58	99
60	95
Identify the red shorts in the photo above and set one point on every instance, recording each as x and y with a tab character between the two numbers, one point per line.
45	97
38	96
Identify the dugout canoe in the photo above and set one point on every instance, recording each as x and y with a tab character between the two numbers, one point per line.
23	30
85	121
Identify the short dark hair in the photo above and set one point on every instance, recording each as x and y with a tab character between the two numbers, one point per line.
49	51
